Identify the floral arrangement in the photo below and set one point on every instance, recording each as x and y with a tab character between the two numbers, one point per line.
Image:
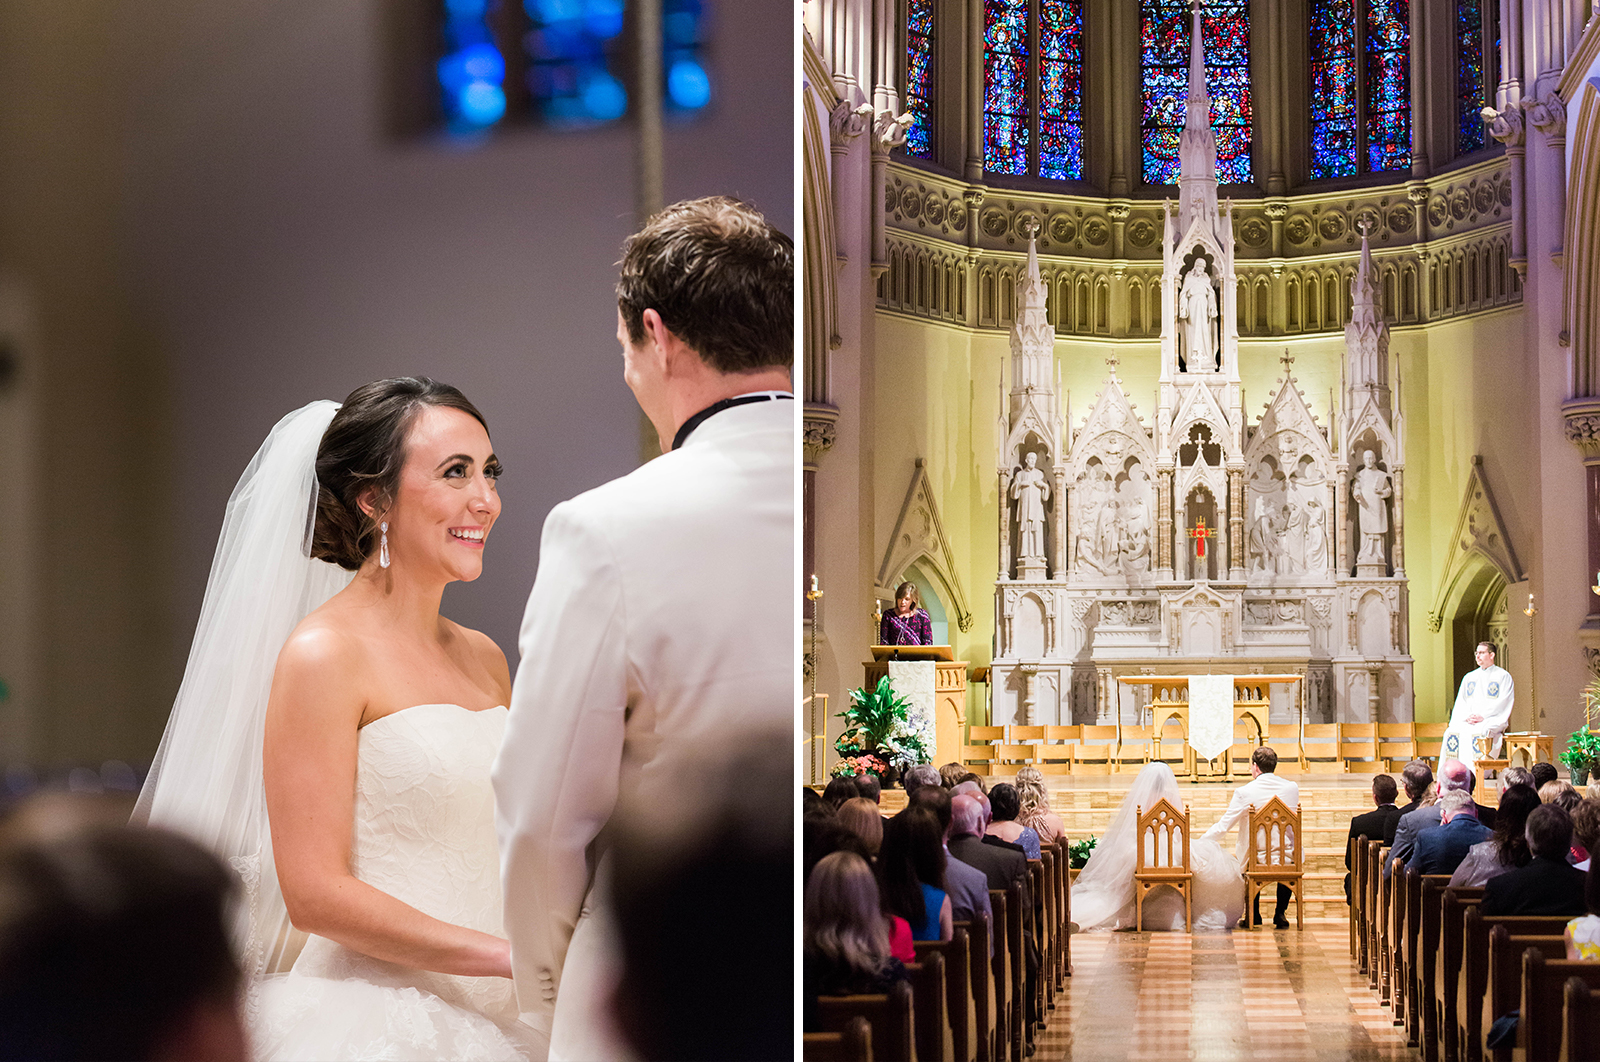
878	721
866	763
1078	852
1582	751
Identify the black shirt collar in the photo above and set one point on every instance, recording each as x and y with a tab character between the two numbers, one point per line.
717	407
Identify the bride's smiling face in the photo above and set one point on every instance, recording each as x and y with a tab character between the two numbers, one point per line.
447	498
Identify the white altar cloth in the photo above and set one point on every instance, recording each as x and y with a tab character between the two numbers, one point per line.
914	680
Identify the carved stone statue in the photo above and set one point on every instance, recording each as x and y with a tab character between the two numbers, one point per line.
1197	309
1031	489
1134	517
1371	488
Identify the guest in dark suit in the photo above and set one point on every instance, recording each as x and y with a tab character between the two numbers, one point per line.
1415	778
1548	885
1440	849
1453	774
1374	825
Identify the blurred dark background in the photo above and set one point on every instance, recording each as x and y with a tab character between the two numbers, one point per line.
215	211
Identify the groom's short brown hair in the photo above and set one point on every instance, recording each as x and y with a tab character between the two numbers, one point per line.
722	279
1265	758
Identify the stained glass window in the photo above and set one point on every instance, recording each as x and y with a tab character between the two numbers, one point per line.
1470	87
919	77
1033	88
1164	60
1360	95
472	71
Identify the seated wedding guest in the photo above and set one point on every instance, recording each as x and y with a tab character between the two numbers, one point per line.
1542	773
969	888
113	945
1548	885
920	775
860	816
1586	830
1516	776
840	789
911	873
845	948
822	835
1583	932
1264	785
975	779
810	800
1453	774
1003	865
1560	791
1036	813
1440	849
1374	825
714	857
870	787
908	623
1416	778
1005	805
951	773
1507	848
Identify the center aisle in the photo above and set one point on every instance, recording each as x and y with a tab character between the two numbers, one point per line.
1288	996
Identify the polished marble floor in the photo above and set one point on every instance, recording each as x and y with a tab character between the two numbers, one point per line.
1215	997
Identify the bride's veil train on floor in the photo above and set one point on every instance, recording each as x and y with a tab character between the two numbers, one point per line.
1102	896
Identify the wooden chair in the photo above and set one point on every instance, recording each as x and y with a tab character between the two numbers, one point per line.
981	975
1452	938
1358	748
1056	750
929	1019
1136	747
853	1044
1097	747
1580	1022
1429	738
959	1003
1023	745
1275	856
1163	858
1319	749
1397	744
888	1015
980	754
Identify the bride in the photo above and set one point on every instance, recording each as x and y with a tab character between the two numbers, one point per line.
1102	895
334	733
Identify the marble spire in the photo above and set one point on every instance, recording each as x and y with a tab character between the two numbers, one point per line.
1032	337
1366	337
1197	149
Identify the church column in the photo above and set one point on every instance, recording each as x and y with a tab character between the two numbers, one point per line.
1069	562
1507	127
1583	430
974	172
1005	524
1341	504
1399	551
1164	523
1236	522
1059	503
1549	116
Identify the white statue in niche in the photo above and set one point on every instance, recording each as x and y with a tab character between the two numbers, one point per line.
1197	309
1031	490
1307	525
1135	521
1371	489
1264	539
1095	521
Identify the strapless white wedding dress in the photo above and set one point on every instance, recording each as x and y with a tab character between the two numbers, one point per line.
424	833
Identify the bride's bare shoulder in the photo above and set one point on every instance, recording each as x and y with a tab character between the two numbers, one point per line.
324	643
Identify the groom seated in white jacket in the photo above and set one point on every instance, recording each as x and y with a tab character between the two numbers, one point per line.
1264	784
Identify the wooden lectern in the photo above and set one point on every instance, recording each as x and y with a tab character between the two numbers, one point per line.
949	691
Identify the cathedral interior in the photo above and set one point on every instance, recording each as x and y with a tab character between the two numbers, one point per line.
1271	351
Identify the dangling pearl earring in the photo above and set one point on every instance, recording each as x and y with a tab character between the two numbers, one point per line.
383	544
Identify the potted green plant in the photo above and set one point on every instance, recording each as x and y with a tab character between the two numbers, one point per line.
879	736
1581	754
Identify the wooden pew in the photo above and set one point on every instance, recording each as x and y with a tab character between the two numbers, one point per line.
1017	990
1426	969
1051	937
958	990
1000	965
1064	904
982	981
1355	849
854	1044
1580	1022
1474	983
1452	938
928	1012
888	1015
1377	921
1543	996
1409	899
1393	955
1036	926
1504	985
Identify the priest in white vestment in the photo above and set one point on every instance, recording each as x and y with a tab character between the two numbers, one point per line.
1482	712
660	623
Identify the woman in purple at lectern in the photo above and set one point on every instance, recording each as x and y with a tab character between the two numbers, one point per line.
909	623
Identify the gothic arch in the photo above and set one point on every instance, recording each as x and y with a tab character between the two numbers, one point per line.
1481	558
919	539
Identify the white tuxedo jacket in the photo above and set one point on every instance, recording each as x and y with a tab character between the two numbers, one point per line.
1254	793
661	623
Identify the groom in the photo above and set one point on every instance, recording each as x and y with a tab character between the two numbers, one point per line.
1264	784
661	622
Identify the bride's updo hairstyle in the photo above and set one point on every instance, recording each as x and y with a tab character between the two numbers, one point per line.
361	454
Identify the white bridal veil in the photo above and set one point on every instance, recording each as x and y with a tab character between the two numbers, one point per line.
206	778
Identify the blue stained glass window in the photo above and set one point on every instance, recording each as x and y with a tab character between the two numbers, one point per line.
472	71
1033	96
1388	105
1005	86
1333	88
1164	60
919	77
1469	76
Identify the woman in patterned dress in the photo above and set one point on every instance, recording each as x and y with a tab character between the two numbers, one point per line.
909	623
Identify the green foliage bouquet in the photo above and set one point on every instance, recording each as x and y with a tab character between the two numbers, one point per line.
878	721
1078	852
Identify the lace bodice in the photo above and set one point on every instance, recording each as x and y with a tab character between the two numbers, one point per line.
425	834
